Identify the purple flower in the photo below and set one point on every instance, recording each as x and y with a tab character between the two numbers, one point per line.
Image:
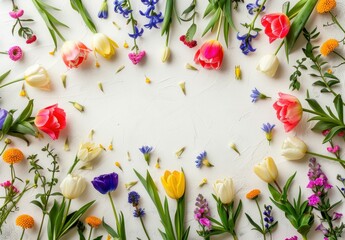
292	238
139	212
17	13
201	159
103	11
268	216
205	222
122	7
106	182
202	212
256	95
3	115
254	7
322	229
133	198
313	200
246	40
336	216
151	14
267	128
137	33
15	53
146	150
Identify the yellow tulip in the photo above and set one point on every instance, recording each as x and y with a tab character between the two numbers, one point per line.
174	184
103	45
266	170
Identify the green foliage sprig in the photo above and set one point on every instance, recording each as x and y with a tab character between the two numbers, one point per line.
78	6
299	213
228	214
42	199
219	10
21	126
51	22
190	10
327	80
169	233
294	77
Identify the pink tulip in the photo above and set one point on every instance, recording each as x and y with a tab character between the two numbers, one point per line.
277	25
289	111
210	55
51	120
74	53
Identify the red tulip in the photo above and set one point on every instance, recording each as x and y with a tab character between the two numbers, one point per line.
289	111
277	25
51	120
210	55
74	53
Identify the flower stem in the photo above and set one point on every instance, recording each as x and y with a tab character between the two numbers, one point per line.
261	218
76	160
133	21
21	237
143	225
219	24
90	233
114	211
277	185
66	212
327	157
14	81
335	20
256	15
3	149
338	54
278	49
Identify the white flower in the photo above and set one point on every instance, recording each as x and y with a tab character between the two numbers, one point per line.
224	190
88	151
72	186
37	76
166	54
268	65
293	148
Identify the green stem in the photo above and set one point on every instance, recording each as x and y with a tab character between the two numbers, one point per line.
257	14
114	211
327	157
167	38
335	20
4	53
14	81
90	233
76	160
3	149
219	24
234	236
278	49
21	237
261	218
66	212
338	54
277	185
41	225
143	225
133	21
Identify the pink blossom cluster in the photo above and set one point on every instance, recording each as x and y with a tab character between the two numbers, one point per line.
202	212
8	185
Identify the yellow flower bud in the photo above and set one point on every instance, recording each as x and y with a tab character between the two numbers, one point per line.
266	170
166	54
174	184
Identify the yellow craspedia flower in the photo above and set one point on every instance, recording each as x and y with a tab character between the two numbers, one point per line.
174	184
25	221
324	6
329	46
12	156
253	194
93	221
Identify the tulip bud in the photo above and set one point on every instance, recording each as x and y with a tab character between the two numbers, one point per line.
72	186
293	148
224	190
103	45
88	151
37	76
174	184
266	170
268	65
166	54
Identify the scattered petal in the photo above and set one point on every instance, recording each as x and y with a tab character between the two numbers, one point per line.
78	106
147	80
125	45
120	68
158	165
23	92
100	86
238	72
91	134
117	164
101	146
111	147
179	152
66	145
117	26
191	67
129	156
129	185
63	80
183	87
234	147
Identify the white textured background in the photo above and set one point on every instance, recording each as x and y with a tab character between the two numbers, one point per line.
216	111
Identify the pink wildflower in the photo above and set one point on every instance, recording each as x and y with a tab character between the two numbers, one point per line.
136	57
32	39
16	13
15	53
313	200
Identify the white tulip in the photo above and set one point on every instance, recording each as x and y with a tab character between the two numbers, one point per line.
268	65
293	148
88	151
37	76
72	186
224	190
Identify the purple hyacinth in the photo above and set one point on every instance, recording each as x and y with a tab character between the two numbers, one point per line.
254	7
268	216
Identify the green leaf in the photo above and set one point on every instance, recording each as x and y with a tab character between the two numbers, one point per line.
26	113
78	6
52	221
298	24
169	5
210	8
213	21
254	224
7	124
338	104
109	229
38	204
274	192
315	106
98	238
4	75
24	128
189	9
226	33
191	32
332	133
228	14
296	8
287	186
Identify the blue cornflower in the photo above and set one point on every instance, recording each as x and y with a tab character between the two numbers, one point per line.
133	198
122	7
267	128
103	11
246	40
254	7
139	212
256	95
146	150
201	159
137	33
154	17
